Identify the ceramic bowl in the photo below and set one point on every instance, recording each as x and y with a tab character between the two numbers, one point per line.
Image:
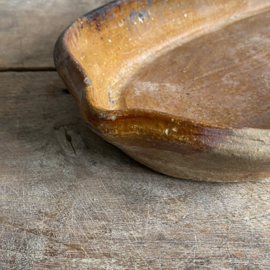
182	87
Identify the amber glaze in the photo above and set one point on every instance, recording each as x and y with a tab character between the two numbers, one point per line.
180	86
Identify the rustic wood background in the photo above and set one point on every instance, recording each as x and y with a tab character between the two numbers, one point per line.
69	200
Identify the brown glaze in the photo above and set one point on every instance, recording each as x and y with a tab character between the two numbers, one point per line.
174	79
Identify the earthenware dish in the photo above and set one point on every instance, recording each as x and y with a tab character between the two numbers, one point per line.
181	86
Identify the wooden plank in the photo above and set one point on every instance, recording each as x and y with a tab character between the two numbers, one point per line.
30	28
69	200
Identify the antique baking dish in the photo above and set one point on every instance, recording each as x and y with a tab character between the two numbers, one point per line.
181	86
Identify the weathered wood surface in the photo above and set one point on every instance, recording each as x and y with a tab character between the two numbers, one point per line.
29	29
69	200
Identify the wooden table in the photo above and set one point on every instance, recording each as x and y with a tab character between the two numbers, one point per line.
69	200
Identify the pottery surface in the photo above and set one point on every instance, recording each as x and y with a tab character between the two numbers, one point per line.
182	87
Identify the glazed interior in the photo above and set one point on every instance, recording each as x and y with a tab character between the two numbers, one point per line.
220	78
209	65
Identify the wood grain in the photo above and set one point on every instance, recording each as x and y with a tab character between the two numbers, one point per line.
69	200
30	28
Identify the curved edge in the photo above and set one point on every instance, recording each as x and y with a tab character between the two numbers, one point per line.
133	125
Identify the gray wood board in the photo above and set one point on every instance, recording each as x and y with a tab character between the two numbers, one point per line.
30	28
69	200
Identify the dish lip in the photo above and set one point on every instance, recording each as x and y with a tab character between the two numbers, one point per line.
96	116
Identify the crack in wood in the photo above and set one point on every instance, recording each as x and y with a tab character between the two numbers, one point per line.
28	69
69	139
